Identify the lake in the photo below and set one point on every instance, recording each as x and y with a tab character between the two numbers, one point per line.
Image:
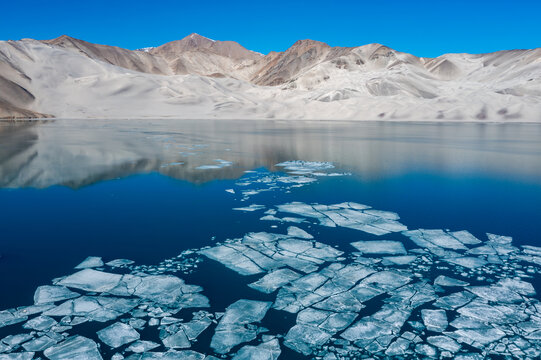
316	239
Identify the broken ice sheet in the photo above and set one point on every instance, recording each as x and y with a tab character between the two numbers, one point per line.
233	328
269	350
383	247
443	280
164	289
142	346
118	334
40	323
90	262
434	239
434	320
350	215
119	262
50	294
275	280
74	348
17	356
39	344
305	338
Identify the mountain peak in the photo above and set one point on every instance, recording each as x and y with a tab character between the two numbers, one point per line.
309	43
196	36
60	39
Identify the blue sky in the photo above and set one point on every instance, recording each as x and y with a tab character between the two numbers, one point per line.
424	28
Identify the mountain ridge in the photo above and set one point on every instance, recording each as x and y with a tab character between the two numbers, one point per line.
310	71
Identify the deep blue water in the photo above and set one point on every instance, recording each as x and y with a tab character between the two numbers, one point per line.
150	217
123	191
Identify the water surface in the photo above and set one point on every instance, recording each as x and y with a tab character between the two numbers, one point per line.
148	190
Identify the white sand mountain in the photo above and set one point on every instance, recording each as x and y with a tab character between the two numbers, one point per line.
198	77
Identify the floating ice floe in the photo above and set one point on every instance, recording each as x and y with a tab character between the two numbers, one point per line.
118	334
252	207
350	215
383	247
74	348
90	262
260	252
234	326
269	350
119	262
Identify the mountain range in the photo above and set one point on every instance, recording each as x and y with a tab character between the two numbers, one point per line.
197	77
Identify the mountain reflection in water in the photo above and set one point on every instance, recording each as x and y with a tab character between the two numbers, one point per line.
77	153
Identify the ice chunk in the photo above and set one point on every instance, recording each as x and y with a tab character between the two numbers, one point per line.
269	350
196	326
96	308
163	289
386	280
13	340
245	312
496	293
467	262
465	237
434	320
74	348
119	262
90	262
434	239
118	334
250	208
496	314
329	321
232	329
50	294
399	260
40	323
9	318
179	340
443	280
91	280
479	337
499	239
39	344
454	300
384	247
466	322
298	233
233	259
275	280
444	343
17	356
518	286
345	301
142	346
426	350
305	338
398	347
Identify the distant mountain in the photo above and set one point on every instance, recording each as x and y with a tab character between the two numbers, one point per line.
197	77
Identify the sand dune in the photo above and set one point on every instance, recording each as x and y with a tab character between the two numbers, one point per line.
198	77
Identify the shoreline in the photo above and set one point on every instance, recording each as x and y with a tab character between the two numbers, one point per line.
418	121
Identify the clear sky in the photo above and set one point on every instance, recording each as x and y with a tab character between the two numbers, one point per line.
423	28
